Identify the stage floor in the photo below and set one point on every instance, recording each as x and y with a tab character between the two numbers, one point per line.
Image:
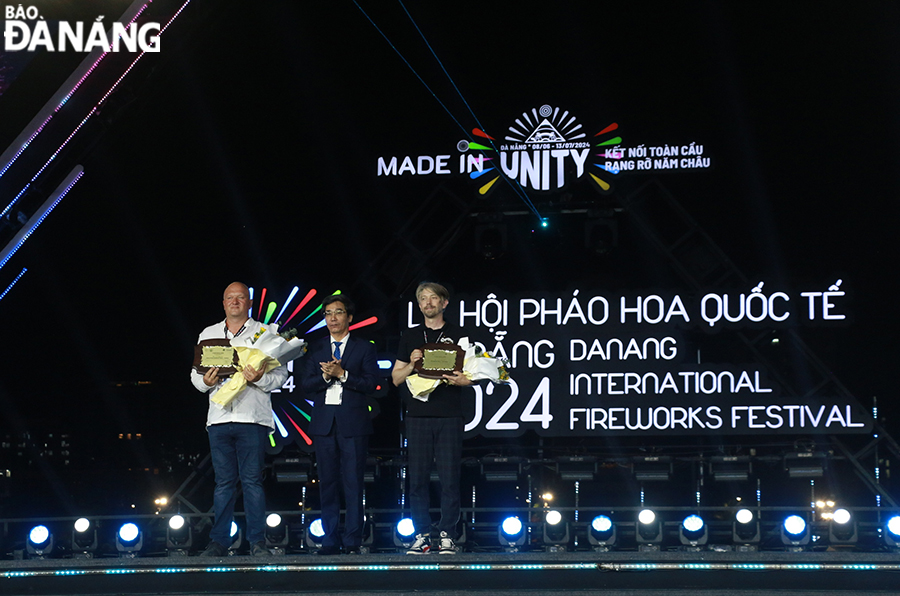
617	573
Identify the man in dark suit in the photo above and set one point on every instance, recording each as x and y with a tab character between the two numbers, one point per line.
339	372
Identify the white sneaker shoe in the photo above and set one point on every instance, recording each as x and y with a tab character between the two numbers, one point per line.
421	546
448	547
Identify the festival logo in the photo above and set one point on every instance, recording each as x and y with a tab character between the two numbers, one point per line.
547	147
545	150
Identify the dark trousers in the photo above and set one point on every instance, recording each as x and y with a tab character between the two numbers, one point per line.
341	463
238	452
437	441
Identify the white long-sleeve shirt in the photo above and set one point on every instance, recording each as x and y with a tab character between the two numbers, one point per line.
254	403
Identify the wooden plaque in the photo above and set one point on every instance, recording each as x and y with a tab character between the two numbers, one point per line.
215	353
439	360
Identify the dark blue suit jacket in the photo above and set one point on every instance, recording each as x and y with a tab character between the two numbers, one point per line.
352	416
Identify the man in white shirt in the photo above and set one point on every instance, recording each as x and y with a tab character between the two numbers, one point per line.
238	431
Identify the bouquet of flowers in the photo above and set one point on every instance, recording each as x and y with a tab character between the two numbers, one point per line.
476	367
265	351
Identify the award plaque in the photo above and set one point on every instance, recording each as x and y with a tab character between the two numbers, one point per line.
439	360
215	353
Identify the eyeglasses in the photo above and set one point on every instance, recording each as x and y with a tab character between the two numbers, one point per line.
335	313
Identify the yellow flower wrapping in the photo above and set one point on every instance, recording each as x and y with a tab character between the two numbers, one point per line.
246	356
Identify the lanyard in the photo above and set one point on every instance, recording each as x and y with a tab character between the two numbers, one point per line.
425	336
241	330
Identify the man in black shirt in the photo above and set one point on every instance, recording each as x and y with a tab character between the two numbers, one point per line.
434	427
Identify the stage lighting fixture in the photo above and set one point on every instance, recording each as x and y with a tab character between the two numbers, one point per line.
794	532
371	471
556	532
84	539
693	532
649	532
511	534
315	532
39	543
745	531
602	533
805	464
236	537
730	468
179	537
501	469
277	534
652	468
129	540
576	467
292	469
892	532
842	528
404	533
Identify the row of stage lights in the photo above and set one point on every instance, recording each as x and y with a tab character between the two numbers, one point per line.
129	538
554	534
693	531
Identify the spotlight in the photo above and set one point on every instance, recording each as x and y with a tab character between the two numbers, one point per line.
179	537
501	469
576	467
39	543
730	468
556	532
84	539
745	531
805	464
693	532
511	534
651	468
649	533
794	532
277	534
602	533
292	469
404	533
892	532
842	528
315	532
236	537
129	540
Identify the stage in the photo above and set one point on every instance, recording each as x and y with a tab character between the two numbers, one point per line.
508	573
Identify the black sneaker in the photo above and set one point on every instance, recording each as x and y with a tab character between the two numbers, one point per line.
258	549
214	550
421	546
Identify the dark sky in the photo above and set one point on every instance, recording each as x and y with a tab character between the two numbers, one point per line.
249	152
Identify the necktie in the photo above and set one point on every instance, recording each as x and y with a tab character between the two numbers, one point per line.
337	349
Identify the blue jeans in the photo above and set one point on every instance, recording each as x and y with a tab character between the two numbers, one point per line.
238	451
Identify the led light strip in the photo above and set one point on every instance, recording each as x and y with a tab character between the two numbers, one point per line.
65	98
36	219
749	567
9	287
307	568
96	106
